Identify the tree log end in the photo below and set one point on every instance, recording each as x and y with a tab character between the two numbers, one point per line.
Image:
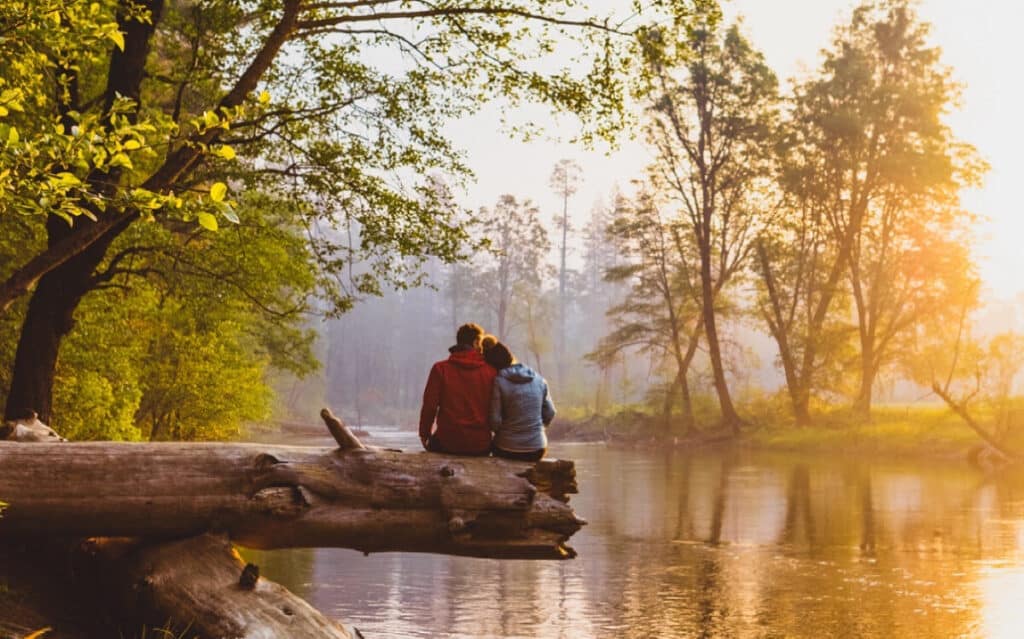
340	432
196	584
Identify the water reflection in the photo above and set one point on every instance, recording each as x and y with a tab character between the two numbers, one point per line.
717	544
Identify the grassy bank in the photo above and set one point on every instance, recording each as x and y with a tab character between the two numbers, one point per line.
893	430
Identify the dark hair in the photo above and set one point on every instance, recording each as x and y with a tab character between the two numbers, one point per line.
469	335
499	356
487	342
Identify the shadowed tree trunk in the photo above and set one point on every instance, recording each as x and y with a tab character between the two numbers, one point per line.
60	290
52	305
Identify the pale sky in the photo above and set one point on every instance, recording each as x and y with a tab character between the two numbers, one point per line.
980	40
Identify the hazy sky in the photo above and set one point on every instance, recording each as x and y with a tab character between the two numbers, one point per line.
980	40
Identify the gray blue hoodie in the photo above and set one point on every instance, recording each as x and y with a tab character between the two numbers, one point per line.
520	409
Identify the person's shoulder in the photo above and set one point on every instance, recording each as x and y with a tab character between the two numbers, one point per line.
537	377
439	364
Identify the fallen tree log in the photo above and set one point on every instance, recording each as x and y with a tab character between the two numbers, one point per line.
200	587
277	496
196	588
960	408
264	497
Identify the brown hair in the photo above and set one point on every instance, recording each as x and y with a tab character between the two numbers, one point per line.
487	342
499	356
469	335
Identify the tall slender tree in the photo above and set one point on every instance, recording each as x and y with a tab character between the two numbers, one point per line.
795	257
601	252
712	127
661	312
516	265
565	178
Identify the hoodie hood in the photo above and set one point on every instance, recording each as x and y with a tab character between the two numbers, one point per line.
518	373
470	358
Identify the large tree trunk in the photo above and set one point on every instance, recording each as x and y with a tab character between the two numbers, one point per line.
868	372
278	497
64	271
48	319
52	305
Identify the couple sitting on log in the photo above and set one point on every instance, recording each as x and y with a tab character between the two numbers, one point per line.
479	390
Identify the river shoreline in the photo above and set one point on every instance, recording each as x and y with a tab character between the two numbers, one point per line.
925	433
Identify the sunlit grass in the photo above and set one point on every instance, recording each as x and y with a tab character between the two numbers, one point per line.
892	429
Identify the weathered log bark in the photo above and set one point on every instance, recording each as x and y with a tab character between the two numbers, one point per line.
339	431
201	587
191	588
276	496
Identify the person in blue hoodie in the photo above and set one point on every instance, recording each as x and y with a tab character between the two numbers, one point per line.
521	407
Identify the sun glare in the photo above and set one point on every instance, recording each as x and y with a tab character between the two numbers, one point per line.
1002	591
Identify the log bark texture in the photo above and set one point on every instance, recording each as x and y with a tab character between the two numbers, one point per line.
201	587
266	497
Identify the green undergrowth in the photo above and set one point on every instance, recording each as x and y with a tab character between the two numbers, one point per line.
892	430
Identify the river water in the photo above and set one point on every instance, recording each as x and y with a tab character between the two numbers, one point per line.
724	543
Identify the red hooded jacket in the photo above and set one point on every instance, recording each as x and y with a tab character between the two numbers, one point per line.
458	393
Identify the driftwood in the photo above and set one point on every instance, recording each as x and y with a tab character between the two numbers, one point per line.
201	587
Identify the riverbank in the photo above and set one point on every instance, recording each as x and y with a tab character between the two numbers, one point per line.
903	431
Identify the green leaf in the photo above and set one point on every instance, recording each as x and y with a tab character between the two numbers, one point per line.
218	191
264	97
132	145
207	221
229	214
226	152
12	136
68	178
121	159
3	111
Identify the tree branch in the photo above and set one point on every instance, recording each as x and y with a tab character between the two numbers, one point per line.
456	11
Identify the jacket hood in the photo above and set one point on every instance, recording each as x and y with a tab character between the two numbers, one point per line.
518	373
467	358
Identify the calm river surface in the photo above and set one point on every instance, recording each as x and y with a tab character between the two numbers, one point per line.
714	544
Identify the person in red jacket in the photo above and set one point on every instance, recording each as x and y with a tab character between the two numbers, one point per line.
457	398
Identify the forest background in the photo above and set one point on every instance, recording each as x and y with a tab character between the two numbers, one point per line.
764	253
